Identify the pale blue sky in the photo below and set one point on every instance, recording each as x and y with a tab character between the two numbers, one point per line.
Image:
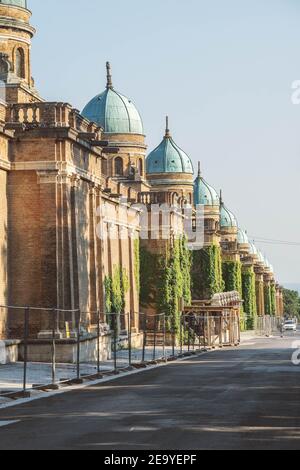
223	72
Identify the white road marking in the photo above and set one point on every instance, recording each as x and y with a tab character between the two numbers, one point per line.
7	423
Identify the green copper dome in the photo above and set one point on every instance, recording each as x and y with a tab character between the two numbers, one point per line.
204	194
168	158
242	237
16	3
115	113
227	218
253	249
269	266
261	258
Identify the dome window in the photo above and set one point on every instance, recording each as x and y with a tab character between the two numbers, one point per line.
141	167
119	167
20	63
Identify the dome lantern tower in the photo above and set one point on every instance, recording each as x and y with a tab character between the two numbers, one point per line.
15	63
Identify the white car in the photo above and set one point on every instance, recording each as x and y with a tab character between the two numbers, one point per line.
290	325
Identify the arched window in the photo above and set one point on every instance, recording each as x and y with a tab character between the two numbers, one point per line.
119	167
141	167
20	63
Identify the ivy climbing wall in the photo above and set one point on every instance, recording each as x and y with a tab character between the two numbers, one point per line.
207	273
165	279
273	300
270	299
249	296
267	291
232	276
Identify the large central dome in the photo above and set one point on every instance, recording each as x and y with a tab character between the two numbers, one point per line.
115	113
15	3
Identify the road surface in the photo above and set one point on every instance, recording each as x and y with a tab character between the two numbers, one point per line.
246	398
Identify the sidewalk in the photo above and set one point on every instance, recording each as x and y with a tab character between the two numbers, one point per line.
248	335
11	375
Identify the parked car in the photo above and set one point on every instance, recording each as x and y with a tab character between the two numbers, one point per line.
290	325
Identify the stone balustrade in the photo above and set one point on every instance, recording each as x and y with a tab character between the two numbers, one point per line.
161	197
39	115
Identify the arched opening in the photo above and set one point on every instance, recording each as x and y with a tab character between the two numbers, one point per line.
20	63
119	167
141	167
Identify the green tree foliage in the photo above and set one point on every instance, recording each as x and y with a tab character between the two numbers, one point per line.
291	301
249	297
207	277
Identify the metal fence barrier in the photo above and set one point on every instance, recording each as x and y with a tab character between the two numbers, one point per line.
60	347
268	325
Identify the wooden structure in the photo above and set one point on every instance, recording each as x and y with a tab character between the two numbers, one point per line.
216	322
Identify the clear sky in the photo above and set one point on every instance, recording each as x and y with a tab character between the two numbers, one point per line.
222	70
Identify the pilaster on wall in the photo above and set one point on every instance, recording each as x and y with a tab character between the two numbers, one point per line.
3	253
48	201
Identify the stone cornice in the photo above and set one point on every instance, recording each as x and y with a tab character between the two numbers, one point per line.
128	145
63	168
170	182
18	25
5	165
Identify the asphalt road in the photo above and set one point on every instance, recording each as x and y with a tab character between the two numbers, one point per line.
246	398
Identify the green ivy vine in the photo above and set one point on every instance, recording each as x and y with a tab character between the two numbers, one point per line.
137	264
273	299
232	275
249	296
116	288
268	299
165	279
207	278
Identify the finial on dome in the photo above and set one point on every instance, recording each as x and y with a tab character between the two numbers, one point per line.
109	84
199	170
221	196
168	134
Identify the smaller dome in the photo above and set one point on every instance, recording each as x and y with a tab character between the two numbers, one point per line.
227	218
204	194
253	250
168	158
261	257
269	266
242	237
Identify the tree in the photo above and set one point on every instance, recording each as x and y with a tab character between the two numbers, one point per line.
291	300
